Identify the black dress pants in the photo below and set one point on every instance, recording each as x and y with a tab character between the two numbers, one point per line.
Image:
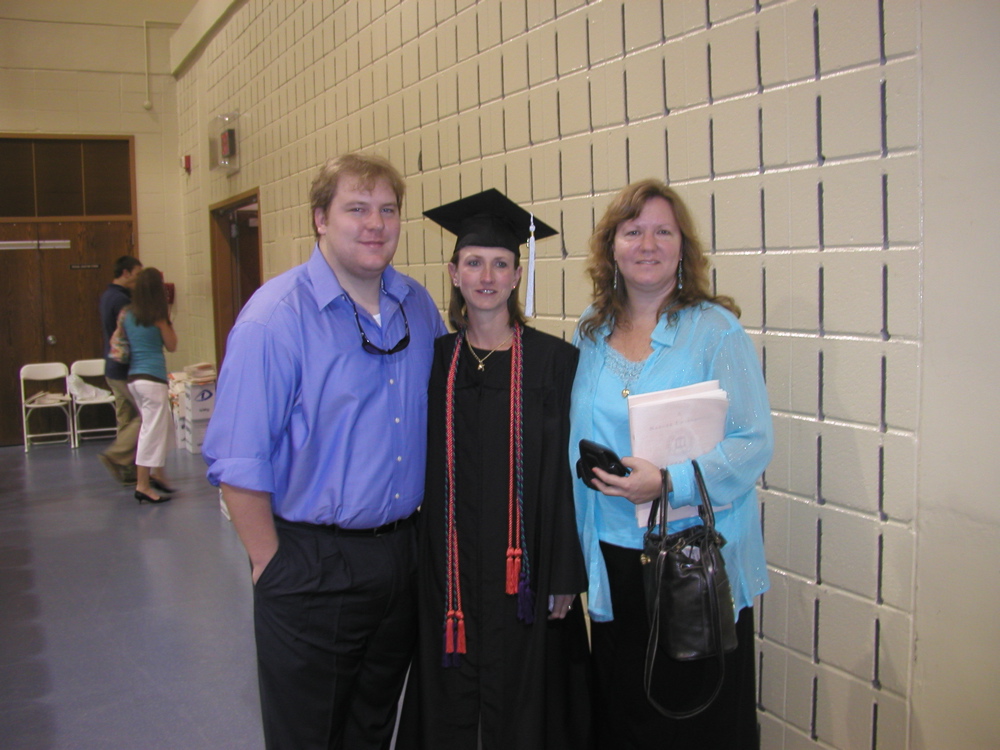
335	623
624	717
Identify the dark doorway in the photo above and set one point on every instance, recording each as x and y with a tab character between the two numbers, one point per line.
236	261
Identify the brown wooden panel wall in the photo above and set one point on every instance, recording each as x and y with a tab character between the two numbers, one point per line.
17	192
106	176
60	177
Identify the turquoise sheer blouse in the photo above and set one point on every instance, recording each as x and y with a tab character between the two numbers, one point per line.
704	342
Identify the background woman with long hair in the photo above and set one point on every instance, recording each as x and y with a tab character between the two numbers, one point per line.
147	324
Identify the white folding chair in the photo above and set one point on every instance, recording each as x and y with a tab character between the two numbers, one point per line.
42	398
90	368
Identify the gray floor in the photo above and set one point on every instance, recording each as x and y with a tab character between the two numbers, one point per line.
121	625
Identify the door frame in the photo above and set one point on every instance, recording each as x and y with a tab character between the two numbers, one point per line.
224	264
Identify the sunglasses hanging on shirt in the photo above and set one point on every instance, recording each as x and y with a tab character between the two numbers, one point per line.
368	346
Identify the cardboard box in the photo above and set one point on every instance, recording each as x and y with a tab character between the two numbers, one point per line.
193	435
178	430
197	401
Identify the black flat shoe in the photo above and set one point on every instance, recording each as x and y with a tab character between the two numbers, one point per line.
158	485
140	496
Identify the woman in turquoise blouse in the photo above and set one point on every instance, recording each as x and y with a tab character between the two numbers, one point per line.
149	331
654	324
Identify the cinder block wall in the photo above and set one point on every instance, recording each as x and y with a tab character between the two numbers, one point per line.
793	129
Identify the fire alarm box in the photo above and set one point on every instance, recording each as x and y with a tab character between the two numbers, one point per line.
169	286
223	153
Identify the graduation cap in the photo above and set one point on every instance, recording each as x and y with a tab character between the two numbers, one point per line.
491	219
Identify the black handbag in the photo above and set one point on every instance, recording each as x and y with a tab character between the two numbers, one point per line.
690	607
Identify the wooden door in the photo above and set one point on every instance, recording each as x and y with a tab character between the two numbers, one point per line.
50	283
21	323
74	276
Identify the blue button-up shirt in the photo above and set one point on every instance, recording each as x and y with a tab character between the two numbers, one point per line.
336	434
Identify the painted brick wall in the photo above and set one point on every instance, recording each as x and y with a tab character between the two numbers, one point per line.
791	129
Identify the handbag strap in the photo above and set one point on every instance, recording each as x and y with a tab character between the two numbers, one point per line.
658	510
705	510
659	506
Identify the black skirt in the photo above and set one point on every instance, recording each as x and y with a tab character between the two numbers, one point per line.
623	716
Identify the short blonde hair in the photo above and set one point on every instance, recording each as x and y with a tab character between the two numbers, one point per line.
365	168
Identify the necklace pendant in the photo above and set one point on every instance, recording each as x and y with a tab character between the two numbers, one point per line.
481	367
625	392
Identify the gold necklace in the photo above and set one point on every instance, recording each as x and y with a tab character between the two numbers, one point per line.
482	360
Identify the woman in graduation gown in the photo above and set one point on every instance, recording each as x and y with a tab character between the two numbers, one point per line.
502	656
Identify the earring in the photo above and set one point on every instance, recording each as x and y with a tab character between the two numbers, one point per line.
616	277
680	274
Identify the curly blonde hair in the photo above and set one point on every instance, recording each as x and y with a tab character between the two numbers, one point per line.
610	304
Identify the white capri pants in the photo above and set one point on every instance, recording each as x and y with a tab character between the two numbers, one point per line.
157	431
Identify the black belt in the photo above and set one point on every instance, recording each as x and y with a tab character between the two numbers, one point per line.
335	530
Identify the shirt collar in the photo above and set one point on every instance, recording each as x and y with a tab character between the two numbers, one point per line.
327	288
664	334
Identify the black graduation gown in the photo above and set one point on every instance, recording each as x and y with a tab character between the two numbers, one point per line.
528	683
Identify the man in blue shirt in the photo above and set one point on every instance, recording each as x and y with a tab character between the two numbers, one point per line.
119	457
318	441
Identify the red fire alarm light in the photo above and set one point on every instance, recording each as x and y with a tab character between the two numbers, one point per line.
228	143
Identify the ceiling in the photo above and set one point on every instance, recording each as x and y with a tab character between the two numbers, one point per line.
110	12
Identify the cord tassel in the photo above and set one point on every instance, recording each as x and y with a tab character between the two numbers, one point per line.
525	600
513	569
449	633
447	657
454	637
460	646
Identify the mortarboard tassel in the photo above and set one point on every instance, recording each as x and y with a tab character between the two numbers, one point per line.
529	292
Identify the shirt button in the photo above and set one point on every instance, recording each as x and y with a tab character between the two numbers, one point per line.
392	381
398	459
397	496
397	420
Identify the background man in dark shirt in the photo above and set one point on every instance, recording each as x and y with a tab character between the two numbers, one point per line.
119	458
